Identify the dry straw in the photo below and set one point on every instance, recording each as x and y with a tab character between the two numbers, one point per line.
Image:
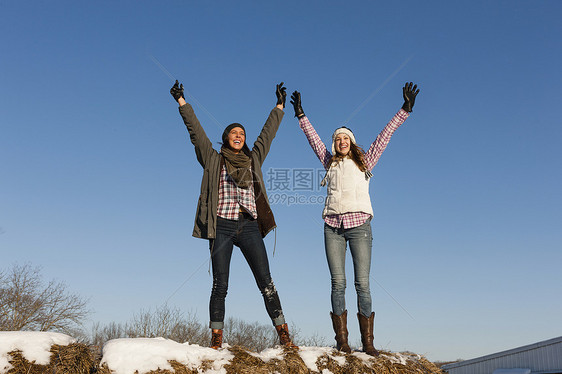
247	362
78	358
75	358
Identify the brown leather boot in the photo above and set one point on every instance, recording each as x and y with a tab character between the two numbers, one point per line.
284	338
216	339
366	326
340	328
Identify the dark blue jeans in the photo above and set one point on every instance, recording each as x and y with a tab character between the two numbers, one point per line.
245	234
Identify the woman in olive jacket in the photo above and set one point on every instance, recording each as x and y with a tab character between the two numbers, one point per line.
233	208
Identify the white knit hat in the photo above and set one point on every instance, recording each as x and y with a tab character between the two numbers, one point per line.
341	130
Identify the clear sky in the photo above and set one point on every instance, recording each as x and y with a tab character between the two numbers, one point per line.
99	181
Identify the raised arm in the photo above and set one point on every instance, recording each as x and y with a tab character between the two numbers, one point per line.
263	142
376	149
203	146
314	140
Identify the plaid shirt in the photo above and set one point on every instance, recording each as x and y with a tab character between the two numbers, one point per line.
233	199
371	157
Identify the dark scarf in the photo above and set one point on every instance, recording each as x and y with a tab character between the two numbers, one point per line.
238	166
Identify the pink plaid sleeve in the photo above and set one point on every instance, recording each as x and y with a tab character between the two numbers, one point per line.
315	142
379	145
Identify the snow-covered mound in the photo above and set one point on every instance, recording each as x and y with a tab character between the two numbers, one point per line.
142	355
34	346
159	355
45	352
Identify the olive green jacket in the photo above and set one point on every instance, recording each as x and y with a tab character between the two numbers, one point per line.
212	161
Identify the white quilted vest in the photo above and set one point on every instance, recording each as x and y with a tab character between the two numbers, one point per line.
348	189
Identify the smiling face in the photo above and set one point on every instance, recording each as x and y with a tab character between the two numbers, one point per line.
342	143
236	139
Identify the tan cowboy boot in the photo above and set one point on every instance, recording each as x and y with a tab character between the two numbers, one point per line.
216	339
284	338
366	326
340	328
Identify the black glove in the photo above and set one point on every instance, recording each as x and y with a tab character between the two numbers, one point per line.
296	101
177	91
281	94
409	94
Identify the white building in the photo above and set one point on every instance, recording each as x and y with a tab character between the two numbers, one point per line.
540	358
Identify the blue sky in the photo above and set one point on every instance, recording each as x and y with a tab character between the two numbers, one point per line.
100	182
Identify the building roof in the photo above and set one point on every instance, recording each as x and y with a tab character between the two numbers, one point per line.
509	352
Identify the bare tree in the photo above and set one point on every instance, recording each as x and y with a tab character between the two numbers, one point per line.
164	321
102	334
27	304
167	322
253	336
314	340
171	323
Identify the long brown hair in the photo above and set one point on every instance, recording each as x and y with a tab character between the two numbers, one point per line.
356	153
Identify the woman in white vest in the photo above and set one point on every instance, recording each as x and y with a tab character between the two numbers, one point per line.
348	211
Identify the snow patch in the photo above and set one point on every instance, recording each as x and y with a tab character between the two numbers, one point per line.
125	356
34	345
267	354
397	358
310	354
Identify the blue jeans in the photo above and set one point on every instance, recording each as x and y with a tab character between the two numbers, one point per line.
245	234
360	244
